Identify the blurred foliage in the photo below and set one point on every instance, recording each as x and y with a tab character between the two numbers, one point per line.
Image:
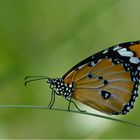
48	37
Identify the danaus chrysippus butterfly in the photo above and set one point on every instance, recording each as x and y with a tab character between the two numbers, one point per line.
106	81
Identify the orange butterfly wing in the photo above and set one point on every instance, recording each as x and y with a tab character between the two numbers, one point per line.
88	90
108	80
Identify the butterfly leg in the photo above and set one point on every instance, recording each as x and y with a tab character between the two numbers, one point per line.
70	101
52	100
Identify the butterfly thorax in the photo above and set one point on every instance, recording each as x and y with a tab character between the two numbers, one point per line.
60	88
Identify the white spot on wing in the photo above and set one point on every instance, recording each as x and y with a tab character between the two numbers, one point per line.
126	53
128	108
122	50
131	43
116	48
135	91
138	68
93	64
105	51
134	60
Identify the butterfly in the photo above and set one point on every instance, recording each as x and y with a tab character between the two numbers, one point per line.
106	81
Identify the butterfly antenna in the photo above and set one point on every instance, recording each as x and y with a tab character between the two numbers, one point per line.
33	78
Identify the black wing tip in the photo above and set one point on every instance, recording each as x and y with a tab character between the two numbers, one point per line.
129	43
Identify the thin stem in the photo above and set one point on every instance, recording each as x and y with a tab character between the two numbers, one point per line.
73	111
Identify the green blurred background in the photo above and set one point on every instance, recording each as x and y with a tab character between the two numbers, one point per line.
48	37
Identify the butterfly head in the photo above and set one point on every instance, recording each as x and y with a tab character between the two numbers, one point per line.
60	88
54	82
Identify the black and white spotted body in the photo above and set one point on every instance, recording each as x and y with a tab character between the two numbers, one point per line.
61	88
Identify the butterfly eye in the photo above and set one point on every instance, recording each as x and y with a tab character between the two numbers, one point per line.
51	83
